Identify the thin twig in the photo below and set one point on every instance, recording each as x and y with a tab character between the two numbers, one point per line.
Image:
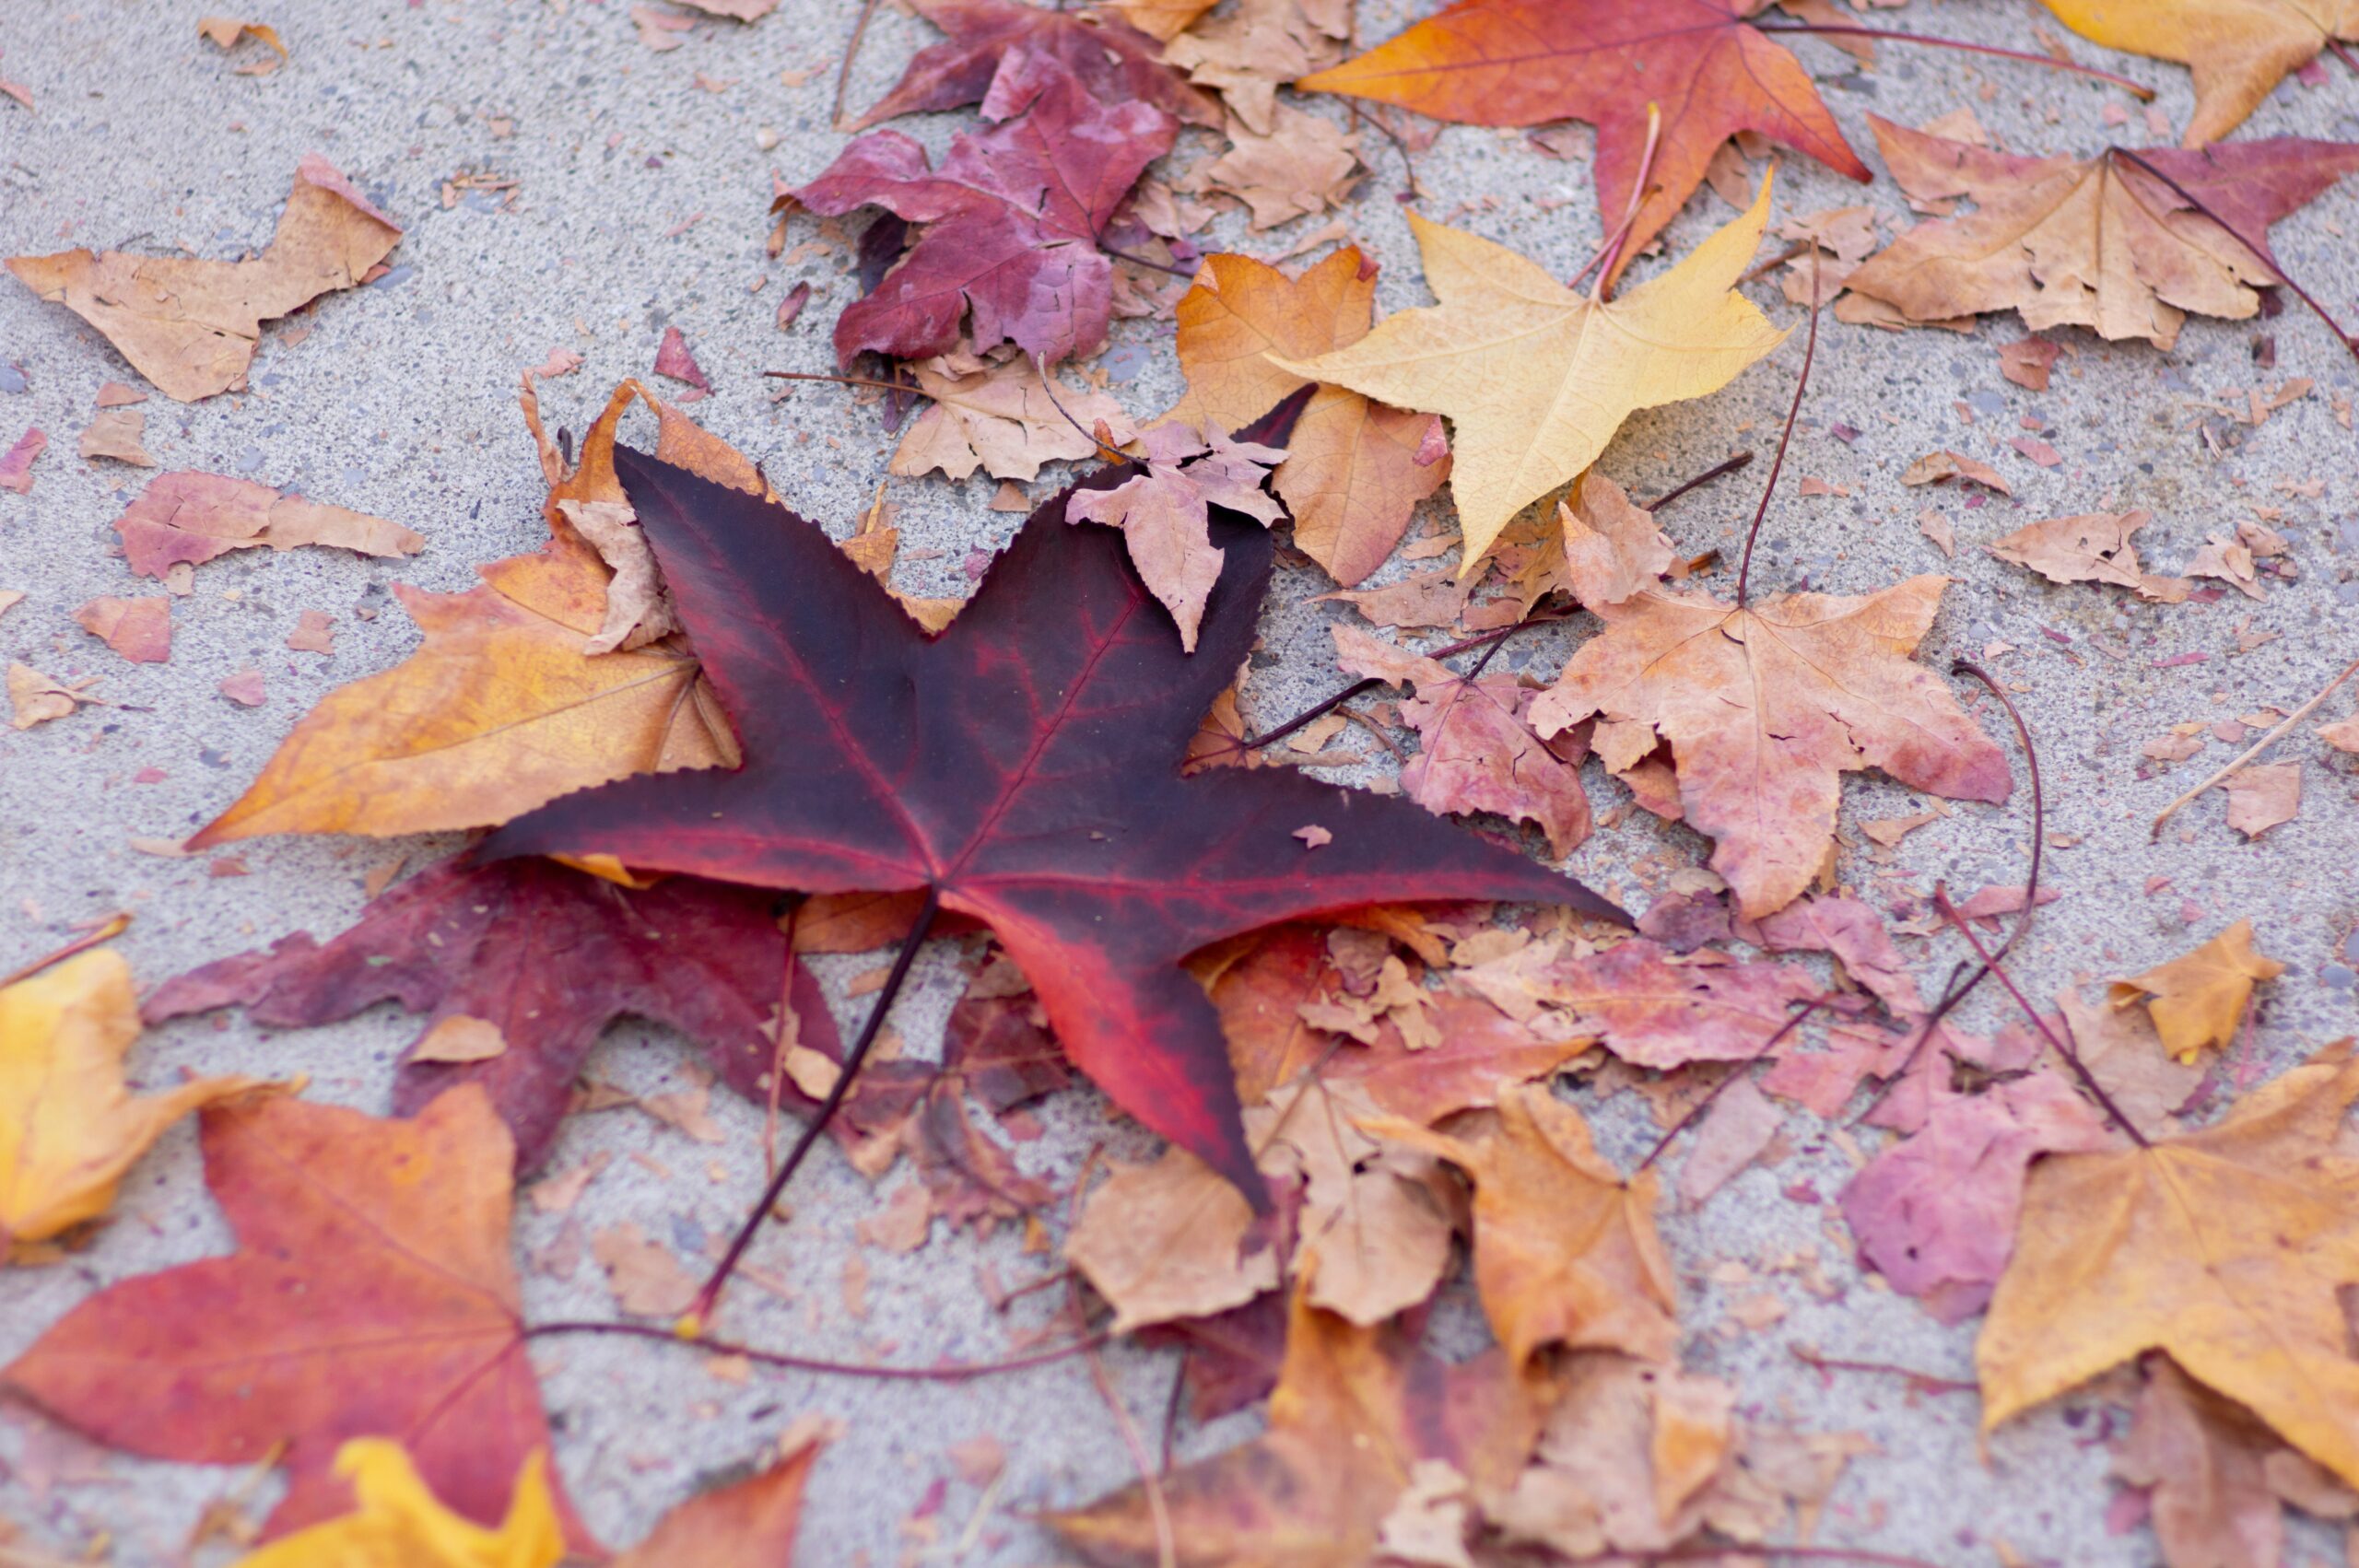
1700	1106
1638	193
700	1312
114	927
2343	55
1621	232
1375	731
2064	1047
1924	1380
1111	455
1954	992
1719	469
946	1372
1802	385
2138	91
1188	273
910	387
1171	1410
1779	260
843	71
2259	247
2258	746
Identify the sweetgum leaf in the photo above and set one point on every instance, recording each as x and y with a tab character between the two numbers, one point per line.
1024	765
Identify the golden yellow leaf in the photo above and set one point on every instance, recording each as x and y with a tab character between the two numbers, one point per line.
1564	1250
503	707
1536	377
68	1128
2226	1248
397	1522
2199	1000
2240	49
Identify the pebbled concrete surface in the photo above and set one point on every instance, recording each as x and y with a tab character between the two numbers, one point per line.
639	198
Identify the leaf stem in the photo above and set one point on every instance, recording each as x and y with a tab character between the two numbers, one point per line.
2064	1049
1700	1106
114	927
948	1371
700	1312
1719	469
911	388
2259	247
1111	454
1122	255
1610	255
1954	992
843	71
2142	93
1924	1380
1802	385
2258	746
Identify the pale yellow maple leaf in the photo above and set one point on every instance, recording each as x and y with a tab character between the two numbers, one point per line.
1537	377
2239	49
397	1520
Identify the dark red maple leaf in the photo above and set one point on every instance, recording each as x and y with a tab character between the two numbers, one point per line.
372	1295
1117	63
549	956
1024	766
1011	222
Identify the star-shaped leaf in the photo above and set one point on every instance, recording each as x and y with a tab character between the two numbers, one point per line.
396	1519
1117	64
2240	49
2226	1248
2199	1000
1765	708
1537	377
373	1295
1527	62
1024	765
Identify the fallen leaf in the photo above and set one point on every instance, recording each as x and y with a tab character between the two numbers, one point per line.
34	698
191	326
1003	418
2123	1053
1935	467
396	1519
1765	708
2342	735
1354	1410
746	1524
139	629
638	610
1355	470
1535	377
1741	1124
1935	1213
1566	1251
1528	62
372	1293
2097	243
244	688
545	958
1612	549
1477	754
503	706
224	32
1070	834
1166	1241
194	517
1257	46
2199	1000
1648	1008
115	434
16	467
1012	220
2264	797
673	361
68	1126
2091	548
313	633
2217	1478
2225	1248
1369	1214
1304	165
646	1280
1164	513
1115	62
2027	361
1854	933
1166	19
2240	49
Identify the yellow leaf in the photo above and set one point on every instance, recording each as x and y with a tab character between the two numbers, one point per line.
1536	377
2227	1249
2199	1000
398	1524
68	1128
2240	49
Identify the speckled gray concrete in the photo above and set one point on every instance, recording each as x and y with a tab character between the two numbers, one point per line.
638	203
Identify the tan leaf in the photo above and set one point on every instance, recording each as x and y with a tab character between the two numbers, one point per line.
191	326
139	629
1380	1235
115	434
2199	1000
1564	1250
192	518
1299	169
2090	548
1000	417
34	698
1166	1241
